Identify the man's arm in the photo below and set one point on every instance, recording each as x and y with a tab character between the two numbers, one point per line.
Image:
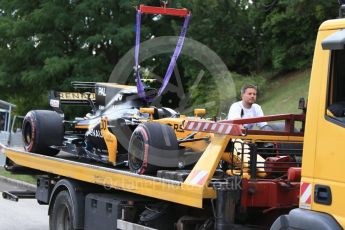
260	113
235	111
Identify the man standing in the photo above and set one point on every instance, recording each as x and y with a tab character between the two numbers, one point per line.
247	108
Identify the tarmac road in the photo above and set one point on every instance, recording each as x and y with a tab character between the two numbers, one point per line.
26	214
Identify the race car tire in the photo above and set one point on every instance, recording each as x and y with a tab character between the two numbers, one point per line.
153	146
42	129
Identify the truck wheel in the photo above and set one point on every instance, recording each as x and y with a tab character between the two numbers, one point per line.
152	146
62	216
42	129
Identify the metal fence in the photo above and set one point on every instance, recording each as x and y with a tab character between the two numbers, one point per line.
15	139
9	123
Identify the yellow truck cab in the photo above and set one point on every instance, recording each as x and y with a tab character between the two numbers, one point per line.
322	189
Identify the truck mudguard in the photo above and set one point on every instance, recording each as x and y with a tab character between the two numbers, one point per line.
305	219
75	191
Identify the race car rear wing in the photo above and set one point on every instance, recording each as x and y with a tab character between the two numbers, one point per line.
94	94
83	85
56	99
75	98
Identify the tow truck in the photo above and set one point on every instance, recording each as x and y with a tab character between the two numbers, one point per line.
83	195
278	178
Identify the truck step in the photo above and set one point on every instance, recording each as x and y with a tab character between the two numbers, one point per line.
16	195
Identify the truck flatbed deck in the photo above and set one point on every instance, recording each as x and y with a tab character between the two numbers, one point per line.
67	165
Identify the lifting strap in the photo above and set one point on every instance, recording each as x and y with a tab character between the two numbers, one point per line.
165	11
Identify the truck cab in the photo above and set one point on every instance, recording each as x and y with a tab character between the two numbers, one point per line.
323	179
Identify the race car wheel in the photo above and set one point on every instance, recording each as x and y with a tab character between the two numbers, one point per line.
42	129
152	146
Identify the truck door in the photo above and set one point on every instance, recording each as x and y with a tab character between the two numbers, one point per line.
329	170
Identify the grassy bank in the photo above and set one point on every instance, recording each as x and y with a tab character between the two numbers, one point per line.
282	94
26	178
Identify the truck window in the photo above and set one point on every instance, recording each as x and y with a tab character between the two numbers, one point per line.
336	95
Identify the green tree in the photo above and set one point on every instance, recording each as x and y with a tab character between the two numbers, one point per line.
289	30
47	44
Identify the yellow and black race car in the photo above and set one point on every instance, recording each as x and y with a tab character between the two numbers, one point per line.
121	129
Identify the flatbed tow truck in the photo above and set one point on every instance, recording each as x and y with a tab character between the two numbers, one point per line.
192	192
243	180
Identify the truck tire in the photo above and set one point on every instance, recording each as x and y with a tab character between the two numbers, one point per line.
42	129
152	146
62	215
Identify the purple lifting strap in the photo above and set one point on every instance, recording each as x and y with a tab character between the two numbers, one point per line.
140	85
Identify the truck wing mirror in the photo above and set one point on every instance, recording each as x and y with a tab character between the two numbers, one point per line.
302	104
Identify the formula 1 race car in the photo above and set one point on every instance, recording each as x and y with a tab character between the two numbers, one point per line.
121	129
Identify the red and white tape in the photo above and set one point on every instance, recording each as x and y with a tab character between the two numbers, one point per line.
213	127
199	177
305	195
